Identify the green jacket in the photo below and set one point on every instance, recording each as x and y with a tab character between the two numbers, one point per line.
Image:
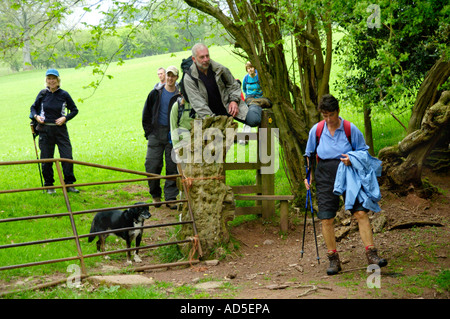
182	131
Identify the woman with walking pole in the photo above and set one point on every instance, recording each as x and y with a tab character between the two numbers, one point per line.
341	152
49	109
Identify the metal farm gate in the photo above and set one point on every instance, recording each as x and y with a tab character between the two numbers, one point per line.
261	193
80	256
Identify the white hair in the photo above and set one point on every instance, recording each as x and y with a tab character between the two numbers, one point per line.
196	47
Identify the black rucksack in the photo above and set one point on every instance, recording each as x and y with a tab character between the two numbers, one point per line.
185	67
33	122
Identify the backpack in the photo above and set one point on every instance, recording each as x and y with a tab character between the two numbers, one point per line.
185	67
33	122
319	129
182	109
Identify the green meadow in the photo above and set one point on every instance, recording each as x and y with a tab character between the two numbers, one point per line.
107	131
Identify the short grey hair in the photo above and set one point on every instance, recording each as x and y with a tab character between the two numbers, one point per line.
196	47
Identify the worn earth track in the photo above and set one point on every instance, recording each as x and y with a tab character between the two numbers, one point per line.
267	265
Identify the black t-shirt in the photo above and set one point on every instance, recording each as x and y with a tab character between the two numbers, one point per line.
214	98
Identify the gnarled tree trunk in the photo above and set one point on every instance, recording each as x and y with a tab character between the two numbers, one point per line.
256	27
402	163
428	92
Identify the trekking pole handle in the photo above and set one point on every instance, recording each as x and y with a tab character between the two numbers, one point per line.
32	128
307	168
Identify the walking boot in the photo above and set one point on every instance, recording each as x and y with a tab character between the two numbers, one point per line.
72	190
335	264
263	102
157	200
372	257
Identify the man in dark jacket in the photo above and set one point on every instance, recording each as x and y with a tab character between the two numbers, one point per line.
155	122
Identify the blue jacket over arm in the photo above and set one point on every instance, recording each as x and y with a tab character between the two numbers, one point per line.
359	181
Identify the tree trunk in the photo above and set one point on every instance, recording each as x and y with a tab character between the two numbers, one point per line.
402	163
26	52
257	29
428	92
368	129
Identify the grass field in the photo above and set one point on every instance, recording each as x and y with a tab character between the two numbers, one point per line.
106	131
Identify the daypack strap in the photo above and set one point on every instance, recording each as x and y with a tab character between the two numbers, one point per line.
319	130
182	108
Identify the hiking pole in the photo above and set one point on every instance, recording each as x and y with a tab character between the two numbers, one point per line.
314	225
308	197
304	225
37	155
306	206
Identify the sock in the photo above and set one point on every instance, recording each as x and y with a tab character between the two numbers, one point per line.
369	246
333	251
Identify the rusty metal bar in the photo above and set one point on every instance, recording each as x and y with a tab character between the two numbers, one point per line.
131	228
129	206
14	219
40	286
150	176
37	242
77	237
53	240
191	214
44	262
79	184
72	221
88	211
117	169
37	263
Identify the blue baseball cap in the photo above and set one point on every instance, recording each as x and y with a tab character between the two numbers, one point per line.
52	72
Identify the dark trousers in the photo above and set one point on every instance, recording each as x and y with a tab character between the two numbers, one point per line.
56	135
158	147
327	201
325	176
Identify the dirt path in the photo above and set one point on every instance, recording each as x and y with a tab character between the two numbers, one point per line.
268	265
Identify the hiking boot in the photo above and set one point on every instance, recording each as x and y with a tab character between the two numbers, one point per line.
261	101
157	200
335	264
372	258
172	206
72	190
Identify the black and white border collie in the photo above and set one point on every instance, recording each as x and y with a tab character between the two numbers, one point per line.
115	219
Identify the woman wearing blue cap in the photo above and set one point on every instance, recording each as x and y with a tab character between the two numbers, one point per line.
50	111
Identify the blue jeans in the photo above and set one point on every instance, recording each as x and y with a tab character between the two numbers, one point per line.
253	117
